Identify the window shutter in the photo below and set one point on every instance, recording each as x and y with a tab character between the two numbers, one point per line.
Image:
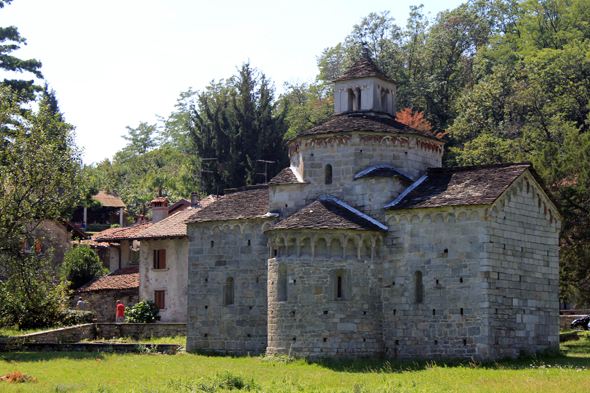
162	259
24	245
38	245
155	259
160	299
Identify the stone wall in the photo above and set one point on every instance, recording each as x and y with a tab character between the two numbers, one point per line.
521	273
311	319
91	331
172	279
69	334
218	253
433	305
104	303
139	331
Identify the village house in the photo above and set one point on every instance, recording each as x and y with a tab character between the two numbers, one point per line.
365	246
150	259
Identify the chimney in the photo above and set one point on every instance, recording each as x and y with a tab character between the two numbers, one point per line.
194	199
159	209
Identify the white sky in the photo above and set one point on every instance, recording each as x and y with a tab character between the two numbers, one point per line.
116	63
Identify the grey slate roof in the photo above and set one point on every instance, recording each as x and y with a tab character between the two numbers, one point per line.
286	176
243	205
365	122
383	171
329	213
459	186
362	68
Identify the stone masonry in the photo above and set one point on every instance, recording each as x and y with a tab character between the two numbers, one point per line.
365	246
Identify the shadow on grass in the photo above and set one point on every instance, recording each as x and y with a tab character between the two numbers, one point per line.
24	357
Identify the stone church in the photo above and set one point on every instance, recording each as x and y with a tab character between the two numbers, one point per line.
366	246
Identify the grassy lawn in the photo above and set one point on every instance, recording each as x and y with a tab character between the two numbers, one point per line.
92	372
99	372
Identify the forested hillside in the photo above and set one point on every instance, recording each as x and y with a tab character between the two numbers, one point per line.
503	80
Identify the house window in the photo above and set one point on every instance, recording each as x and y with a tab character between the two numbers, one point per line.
282	284
228	296
160	299
418	287
328	174
160	259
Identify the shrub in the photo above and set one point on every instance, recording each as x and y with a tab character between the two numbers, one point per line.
81	264
77	317
142	312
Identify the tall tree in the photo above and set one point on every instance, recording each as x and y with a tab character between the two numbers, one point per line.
237	122
10	40
40	179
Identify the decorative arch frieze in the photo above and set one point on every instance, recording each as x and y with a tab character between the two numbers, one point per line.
328	141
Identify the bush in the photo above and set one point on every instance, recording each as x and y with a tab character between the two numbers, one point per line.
77	317
143	312
31	299
81	264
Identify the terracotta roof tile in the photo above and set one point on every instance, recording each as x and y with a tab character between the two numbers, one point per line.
95	244
244	205
160	199
367	123
329	213
383	171
124	278
112	234
108	200
286	176
459	186
173	226
362	68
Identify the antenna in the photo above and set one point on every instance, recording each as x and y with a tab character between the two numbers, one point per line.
265	167
201	171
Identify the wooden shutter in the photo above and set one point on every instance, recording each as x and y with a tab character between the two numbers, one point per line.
162	259
160	299
38	245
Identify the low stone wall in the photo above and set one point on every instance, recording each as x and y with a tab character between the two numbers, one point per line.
565	321
140	330
90	347
91	331
69	334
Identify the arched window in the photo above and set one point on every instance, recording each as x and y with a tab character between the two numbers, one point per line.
418	287
282	283
351	100
385	101
228	296
341	285
328	174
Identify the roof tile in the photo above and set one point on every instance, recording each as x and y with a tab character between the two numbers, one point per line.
329	213
124	278
362	68
459	186
367	123
244	205
286	176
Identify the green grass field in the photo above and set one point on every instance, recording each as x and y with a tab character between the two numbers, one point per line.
94	372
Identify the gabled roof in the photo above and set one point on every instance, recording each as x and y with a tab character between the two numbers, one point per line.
288	175
180	205
243	205
112	234
459	186
124	278
383	171
329	213
109	200
173	226
362	68
367	123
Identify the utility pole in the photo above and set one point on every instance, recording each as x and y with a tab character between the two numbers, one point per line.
265	167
